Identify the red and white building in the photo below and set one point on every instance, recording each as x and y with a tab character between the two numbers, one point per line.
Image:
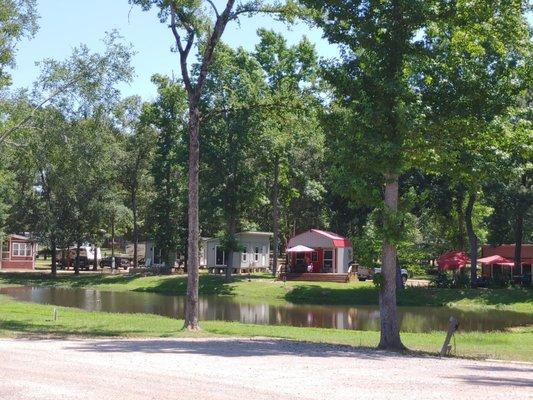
328	252
507	251
18	252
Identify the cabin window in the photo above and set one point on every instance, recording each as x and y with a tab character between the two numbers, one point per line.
244	254
314	256
220	256
256	254
21	249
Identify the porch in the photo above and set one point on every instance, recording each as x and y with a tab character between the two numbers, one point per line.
316	277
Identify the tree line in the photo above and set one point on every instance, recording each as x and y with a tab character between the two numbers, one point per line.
414	141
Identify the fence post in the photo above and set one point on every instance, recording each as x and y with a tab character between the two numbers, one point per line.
452	327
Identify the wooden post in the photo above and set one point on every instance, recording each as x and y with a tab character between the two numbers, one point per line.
452	327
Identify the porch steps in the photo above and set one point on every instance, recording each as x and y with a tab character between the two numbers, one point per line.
315	277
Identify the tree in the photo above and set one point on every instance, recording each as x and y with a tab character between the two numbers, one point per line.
230	167
135	162
197	23
167	209
72	142
476	69
18	19
292	139
377	114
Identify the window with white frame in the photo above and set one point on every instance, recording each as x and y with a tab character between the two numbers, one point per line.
244	254
256	254
21	249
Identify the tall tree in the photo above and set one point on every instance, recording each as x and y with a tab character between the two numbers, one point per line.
168	205
292	139
138	143
377	111
476	68
197	23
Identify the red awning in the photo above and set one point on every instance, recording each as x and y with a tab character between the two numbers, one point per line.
453	260
496	259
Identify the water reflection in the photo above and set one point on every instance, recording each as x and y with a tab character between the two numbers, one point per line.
412	319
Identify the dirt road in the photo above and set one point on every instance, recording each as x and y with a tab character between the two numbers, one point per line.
244	370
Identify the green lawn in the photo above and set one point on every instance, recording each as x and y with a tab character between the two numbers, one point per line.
263	288
20	319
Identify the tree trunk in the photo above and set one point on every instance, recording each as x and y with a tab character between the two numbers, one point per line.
112	242
232	228
275	217
77	260
191	309
390	329
53	252
461	242
95	259
399	280
518	237
135	227
472	238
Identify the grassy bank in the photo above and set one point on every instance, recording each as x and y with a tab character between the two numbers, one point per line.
262	288
20	319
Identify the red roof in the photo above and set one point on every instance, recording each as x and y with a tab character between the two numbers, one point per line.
316	238
338	241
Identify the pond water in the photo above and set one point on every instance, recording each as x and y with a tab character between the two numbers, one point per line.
412	319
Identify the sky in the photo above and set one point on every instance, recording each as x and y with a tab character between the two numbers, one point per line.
65	24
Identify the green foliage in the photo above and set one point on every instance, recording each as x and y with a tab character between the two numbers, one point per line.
18	19
167	212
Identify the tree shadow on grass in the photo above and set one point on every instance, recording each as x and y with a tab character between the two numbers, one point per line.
208	285
38	330
46	279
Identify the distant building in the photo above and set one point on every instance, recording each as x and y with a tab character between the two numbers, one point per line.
18	252
255	252
507	251
327	252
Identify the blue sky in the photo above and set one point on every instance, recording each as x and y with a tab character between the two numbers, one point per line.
66	23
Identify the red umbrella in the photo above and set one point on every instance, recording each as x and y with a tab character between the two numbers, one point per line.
453	260
496	259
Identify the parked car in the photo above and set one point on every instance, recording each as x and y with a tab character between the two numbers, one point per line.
364	273
120	262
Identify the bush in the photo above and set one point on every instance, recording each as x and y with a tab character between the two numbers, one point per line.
445	279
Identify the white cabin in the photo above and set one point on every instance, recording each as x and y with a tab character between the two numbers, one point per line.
254	257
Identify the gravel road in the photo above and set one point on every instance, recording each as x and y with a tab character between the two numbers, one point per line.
243	369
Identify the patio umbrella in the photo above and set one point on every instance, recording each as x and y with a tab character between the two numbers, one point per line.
299	249
496	259
453	260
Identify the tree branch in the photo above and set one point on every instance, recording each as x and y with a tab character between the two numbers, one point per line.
220	25
284	104
214	8
14	128
184	52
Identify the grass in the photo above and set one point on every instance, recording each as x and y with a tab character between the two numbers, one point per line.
20	319
262	288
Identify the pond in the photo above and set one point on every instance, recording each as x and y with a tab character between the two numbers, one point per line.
412	319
